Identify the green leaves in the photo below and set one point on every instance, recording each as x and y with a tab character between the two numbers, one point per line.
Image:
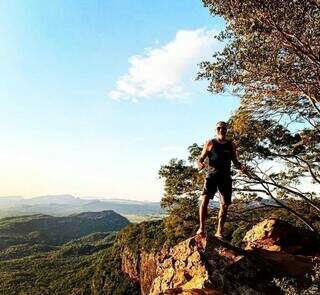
180	180
271	59
272	62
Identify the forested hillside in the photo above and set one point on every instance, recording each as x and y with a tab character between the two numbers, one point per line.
65	269
41	254
49	230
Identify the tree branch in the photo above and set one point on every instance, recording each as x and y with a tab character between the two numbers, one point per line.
285	156
301	195
287	208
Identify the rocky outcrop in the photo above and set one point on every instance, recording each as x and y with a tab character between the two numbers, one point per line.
182	268
148	272
290	250
207	265
277	235
202	265
130	265
140	268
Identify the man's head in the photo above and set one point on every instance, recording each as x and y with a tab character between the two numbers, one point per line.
221	130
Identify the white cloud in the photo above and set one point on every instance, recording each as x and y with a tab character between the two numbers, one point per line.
167	71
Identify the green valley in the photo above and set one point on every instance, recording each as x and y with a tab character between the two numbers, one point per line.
42	254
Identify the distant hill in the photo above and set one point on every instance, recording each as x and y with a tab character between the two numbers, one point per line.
43	254
61	205
49	230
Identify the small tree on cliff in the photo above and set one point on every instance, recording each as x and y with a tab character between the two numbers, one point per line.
272	62
182	189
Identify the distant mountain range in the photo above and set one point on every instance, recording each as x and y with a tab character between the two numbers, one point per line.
61	205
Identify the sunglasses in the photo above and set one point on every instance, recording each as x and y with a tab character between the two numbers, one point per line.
222	128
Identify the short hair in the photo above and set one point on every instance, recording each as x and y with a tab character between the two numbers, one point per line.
222	123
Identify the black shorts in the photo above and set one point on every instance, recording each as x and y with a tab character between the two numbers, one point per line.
222	183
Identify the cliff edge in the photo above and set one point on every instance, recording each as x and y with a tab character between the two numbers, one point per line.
208	265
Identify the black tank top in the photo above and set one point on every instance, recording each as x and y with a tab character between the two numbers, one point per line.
220	158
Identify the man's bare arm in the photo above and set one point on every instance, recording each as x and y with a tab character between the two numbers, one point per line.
204	154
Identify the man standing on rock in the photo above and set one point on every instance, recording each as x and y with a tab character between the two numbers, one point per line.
220	152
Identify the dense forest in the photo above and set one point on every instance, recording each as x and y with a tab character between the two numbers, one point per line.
42	254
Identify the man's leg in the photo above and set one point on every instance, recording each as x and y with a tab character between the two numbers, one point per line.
209	189
225	189
221	219
203	213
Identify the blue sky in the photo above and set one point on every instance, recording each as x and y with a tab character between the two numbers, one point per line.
96	95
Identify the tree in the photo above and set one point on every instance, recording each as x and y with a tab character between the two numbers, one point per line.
181	180
272	58
272	62
182	189
275	174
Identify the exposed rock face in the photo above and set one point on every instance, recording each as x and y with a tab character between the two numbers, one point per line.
141	268
130	265
288	249
148	272
207	265
203	265
277	235
183	268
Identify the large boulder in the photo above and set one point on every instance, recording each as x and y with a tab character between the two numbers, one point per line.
279	236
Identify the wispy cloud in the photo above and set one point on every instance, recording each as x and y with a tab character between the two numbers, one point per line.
166	71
